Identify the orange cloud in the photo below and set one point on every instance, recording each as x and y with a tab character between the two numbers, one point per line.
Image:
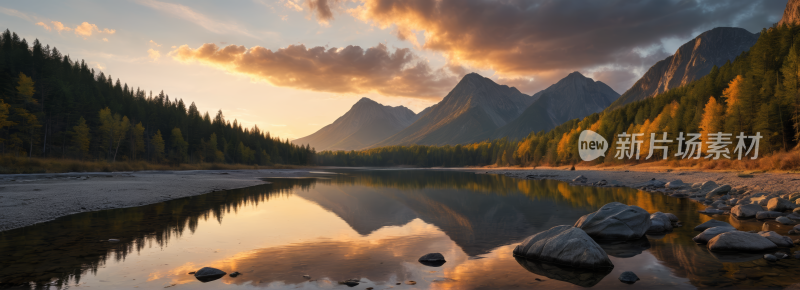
58	26
154	54
337	70
42	24
154	43
86	29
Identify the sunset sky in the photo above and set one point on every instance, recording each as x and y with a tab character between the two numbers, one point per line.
293	66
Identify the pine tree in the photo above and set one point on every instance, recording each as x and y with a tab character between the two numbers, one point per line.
158	146
81	138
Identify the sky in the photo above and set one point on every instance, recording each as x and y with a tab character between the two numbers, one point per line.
294	66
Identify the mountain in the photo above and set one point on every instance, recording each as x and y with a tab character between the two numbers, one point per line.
366	123
471	112
573	97
791	15
693	60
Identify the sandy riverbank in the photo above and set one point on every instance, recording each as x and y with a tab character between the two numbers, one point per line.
27	199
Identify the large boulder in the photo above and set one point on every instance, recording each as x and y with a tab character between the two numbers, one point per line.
740	242
616	221
564	245
778	240
672	218
719	191
710	233
208	274
659	222
743	211
711	224
779	204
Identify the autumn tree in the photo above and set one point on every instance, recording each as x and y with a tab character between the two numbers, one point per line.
158	145
81	138
137	140
179	145
114	128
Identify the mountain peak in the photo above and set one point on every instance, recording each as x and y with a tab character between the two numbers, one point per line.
365	100
575	74
791	15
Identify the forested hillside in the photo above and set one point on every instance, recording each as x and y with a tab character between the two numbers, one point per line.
759	92
53	106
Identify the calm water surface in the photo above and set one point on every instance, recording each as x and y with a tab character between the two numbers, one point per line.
371	225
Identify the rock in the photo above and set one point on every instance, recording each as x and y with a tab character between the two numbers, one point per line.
767	214
113	240
432	260
781	255
740	241
676	184
793	216
564	245
796	255
796	210
718	191
718	203
628	277
711	211
235	274
191	273
707	187
711	224
678	195
732	201
725	197
350	282
580	178
710	233
616	221
659	222
208	274
602	182
746	211
672	218
415	282
784	220
778	240
770	257
779	204
307	276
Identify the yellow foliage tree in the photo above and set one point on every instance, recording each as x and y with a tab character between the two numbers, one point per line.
735	115
712	121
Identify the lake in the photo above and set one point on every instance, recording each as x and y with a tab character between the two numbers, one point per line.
371	225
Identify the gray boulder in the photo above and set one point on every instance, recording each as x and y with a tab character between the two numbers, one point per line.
208	274
784	220
711	224
778	240
746	210
706	187
739	241
767	214
770	258
659	222
580	178
672	218
628	277
616	221
710	233
676	184
719	191
779	204
564	245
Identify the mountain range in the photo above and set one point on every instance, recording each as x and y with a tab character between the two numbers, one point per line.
479	109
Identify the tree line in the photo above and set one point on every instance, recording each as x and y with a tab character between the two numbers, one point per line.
758	92
52	106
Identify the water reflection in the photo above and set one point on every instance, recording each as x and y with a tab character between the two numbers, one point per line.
371	225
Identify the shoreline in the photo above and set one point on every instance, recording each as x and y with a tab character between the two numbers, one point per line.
29	199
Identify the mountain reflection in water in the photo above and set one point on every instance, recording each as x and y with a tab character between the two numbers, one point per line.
371	225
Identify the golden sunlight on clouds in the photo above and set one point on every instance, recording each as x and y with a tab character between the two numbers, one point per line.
154	43
42	24
154	54
86	29
58	26
291	5
337	70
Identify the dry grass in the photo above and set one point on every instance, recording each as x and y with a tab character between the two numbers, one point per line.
17	165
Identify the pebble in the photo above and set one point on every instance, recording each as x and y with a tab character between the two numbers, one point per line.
628	277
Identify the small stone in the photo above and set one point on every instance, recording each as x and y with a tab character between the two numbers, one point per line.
113	240
307	276
234	274
411	283
628	277
770	257
784	220
191	273
432	260
208	274
580	178
781	255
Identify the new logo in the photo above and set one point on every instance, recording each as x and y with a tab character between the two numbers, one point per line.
591	145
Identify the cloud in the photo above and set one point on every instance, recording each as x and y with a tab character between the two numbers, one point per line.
153	43
351	69
86	29
15	13
42	24
533	38
323	9
195	17
105	39
292	5
154	54
58	26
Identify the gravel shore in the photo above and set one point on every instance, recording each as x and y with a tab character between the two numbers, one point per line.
27	199
762	182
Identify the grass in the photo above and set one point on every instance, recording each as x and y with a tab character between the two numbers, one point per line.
17	165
